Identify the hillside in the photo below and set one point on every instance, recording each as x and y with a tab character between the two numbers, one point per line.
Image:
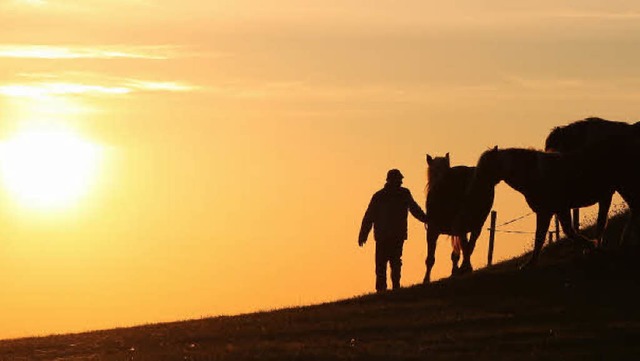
572	307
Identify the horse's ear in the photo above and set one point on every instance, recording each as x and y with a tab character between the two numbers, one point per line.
429	159
447	156
495	149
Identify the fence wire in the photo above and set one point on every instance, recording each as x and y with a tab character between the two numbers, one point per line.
515	219
615	208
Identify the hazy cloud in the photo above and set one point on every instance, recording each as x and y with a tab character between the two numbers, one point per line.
502	87
44	85
169	86
31	2
74	5
87	52
599	15
545	84
38	90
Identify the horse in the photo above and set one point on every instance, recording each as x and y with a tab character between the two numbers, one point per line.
554	183
579	134
445	196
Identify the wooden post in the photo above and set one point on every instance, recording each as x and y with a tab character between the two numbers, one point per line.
557	229
492	236
576	218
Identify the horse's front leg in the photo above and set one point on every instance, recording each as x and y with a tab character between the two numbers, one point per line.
470	246
542	226
629	232
603	214
432	238
473	239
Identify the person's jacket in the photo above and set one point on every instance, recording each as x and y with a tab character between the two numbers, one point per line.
387	213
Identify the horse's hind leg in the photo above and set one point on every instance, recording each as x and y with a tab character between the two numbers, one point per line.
630	232
564	217
630	229
542	226
456	248
603	214
432	238
467	250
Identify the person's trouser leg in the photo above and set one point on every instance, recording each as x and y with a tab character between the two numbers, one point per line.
395	259
381	266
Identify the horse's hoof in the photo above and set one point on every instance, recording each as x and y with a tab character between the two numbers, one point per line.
465	269
426	281
527	266
589	248
593	251
586	244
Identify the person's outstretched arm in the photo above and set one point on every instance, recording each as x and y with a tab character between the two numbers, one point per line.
416	210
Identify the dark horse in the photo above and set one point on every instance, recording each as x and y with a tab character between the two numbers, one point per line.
579	134
445	196
554	183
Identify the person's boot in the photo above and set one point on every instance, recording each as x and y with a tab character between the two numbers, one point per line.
395	278
396	284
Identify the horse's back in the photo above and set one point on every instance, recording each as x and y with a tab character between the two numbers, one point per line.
636	129
581	133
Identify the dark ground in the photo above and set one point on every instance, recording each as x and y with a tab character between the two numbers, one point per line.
572	307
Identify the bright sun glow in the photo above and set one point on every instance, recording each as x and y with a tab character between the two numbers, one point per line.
47	169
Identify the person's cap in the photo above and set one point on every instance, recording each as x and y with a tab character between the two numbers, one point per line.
394	174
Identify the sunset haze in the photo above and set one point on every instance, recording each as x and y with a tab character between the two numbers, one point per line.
231	147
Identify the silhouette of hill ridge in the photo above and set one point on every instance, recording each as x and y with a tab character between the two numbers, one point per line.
573	306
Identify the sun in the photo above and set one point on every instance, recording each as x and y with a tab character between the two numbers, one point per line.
48	168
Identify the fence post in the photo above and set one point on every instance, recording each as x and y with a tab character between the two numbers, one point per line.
576	218
557	228
492	236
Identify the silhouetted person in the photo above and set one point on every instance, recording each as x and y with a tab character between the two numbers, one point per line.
387	213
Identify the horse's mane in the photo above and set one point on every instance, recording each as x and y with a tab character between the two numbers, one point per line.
529	150
431	172
526	156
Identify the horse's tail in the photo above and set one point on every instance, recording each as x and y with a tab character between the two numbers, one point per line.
456	244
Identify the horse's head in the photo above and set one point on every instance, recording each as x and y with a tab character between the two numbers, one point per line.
489	168
553	143
438	167
478	196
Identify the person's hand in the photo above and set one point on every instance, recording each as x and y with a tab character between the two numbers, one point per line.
361	241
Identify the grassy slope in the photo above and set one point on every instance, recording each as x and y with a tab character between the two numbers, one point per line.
572	307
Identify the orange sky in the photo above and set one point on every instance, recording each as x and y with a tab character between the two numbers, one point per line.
243	141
